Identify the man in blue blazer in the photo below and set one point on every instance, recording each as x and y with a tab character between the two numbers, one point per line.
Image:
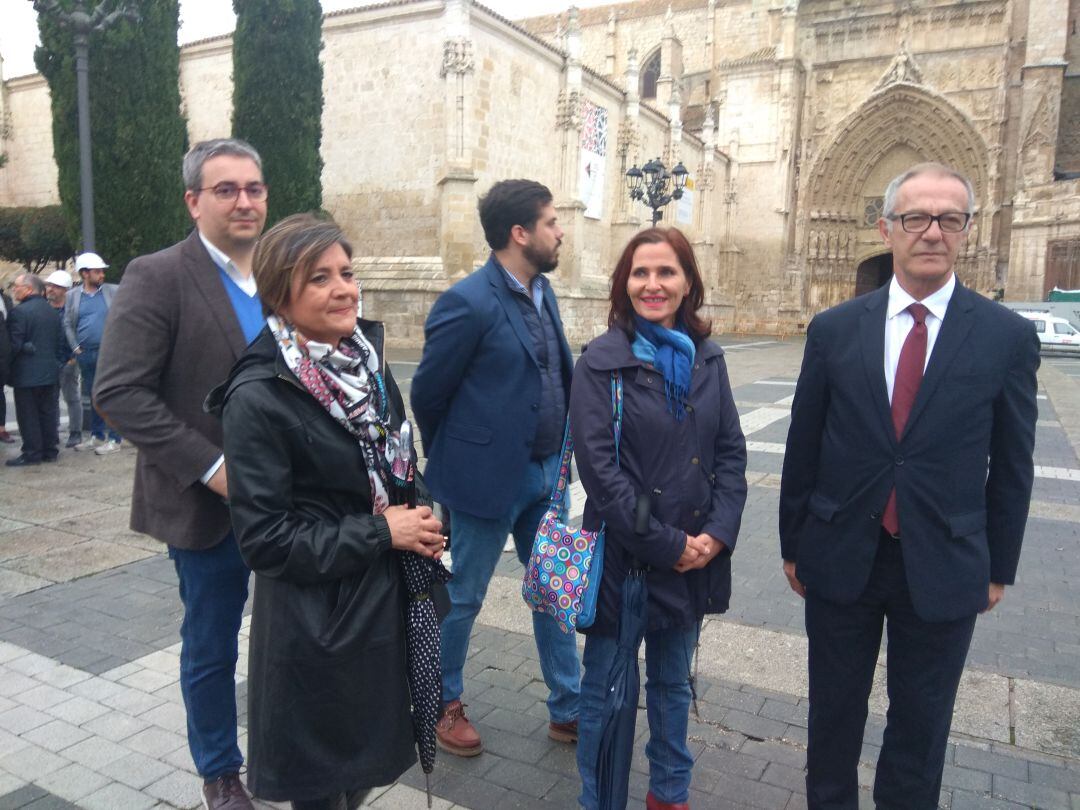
905	492
490	398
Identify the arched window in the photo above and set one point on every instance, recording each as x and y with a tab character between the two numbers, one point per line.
650	72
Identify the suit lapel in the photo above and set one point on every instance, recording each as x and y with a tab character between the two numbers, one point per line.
954	330
206	279
495	275
872	341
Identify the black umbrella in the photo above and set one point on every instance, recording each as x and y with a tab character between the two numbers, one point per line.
421	632
620	704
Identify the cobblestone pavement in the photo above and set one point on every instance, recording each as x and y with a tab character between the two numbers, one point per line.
91	714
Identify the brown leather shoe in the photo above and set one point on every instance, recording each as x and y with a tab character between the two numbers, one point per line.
653	803
563	732
226	793
6	437
455	733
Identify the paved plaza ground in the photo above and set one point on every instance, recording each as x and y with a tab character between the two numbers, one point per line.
91	714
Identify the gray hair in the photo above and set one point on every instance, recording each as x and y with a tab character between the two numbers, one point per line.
33	281
204	150
939	169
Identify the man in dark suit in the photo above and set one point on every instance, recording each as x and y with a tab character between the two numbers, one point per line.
38	349
179	321
905	491
490	397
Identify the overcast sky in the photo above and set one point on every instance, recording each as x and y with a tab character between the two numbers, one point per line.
206	18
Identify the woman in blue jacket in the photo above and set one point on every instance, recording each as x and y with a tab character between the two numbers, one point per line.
682	448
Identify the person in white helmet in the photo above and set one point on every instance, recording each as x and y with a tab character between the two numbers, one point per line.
56	288
84	324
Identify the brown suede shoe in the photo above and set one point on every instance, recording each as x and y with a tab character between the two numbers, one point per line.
563	732
226	793
455	733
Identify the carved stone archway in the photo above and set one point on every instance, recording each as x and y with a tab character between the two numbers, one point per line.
833	208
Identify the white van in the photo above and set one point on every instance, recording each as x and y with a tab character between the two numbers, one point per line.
1055	334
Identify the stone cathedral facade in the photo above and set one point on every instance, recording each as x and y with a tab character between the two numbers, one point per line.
790	115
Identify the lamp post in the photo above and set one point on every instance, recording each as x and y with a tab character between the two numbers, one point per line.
82	23
650	184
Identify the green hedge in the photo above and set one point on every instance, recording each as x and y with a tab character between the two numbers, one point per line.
277	97
138	134
33	237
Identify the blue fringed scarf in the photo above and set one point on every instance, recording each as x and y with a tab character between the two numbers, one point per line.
671	352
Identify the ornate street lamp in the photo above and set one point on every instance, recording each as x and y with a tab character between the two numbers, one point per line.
650	184
82	23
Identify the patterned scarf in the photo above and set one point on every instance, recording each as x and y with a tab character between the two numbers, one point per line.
671	352
346	381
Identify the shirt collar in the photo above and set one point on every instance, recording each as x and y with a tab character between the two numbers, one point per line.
538	283
219	258
937	302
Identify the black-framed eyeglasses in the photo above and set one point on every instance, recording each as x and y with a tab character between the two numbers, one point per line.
230	192
952	222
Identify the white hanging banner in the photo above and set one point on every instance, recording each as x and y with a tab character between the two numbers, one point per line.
594	123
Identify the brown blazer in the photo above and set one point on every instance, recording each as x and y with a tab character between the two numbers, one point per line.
171	335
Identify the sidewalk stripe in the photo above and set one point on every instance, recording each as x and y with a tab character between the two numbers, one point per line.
1058	473
761	418
774	382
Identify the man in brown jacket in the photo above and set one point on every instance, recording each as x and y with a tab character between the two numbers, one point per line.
179	321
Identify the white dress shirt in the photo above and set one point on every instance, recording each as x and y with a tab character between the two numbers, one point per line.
245	283
898	322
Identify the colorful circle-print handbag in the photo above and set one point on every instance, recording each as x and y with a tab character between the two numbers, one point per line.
564	570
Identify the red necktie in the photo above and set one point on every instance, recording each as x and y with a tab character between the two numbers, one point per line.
909	374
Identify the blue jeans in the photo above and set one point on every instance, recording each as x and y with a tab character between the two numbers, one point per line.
668	654
87	367
477	545
213	588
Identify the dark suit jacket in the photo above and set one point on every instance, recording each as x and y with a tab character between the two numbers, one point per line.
38	347
962	469
5	342
476	394
171	335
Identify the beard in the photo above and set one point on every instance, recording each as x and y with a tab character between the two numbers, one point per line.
543	262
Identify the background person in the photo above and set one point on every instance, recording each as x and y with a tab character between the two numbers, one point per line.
181	318
38	349
6	305
490	397
56	288
682	444
312	418
905	492
86	309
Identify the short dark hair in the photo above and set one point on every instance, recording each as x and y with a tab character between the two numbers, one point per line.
621	313
509	203
291	248
203	151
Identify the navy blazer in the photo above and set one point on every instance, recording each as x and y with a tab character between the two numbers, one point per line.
38	346
962	469
476	394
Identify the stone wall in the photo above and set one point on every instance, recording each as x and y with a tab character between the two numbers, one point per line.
206	88
29	175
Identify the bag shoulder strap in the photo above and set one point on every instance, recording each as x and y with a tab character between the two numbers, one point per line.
568	439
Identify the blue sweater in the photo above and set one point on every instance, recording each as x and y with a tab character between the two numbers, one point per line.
248	308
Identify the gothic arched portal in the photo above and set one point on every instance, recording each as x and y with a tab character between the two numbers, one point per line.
899	119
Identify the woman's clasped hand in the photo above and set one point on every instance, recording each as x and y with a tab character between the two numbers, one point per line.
415	530
699	552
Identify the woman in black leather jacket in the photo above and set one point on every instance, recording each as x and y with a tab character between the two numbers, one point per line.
311	414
